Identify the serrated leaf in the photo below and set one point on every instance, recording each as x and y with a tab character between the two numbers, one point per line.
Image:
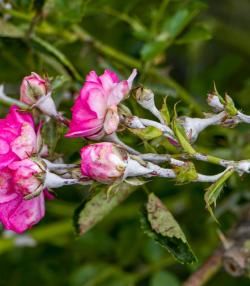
213	192
185	173
195	34
159	224
165	112
148	133
89	213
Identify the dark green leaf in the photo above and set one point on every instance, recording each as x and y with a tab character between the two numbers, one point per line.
159	224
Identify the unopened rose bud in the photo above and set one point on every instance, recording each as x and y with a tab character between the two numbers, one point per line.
108	162
214	101
35	92
145	97
33	87
103	162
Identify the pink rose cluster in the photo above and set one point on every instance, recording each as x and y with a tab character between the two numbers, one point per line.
19	140
94	116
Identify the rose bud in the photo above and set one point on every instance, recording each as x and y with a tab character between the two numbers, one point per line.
18	137
35	92
103	162
108	162
94	113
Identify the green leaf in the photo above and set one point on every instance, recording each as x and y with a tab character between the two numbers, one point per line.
89	213
164	278
229	106
165	112
152	49
58	55
213	192
186	173
159	224
195	34
147	133
181	136
170	29
9	30
66	10
176	24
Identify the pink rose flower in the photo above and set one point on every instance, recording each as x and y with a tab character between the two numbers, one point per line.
25	177
32	88
103	162
16	213
18	137
94	113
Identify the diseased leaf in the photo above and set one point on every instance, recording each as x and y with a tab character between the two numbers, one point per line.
89	213
213	192
147	133
159	224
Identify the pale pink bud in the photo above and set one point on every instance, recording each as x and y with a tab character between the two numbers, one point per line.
103	162
35	92
32	88
94	113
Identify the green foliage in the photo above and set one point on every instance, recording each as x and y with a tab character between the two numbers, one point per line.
148	133
159	223
167	41
91	212
213	192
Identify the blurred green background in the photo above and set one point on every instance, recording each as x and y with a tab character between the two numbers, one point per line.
179	48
